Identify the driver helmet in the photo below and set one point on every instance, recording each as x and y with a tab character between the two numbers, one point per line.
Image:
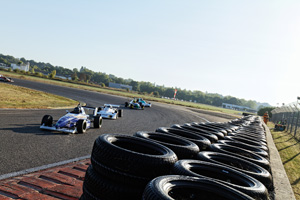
76	110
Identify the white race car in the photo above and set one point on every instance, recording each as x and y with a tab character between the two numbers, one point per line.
110	111
76	121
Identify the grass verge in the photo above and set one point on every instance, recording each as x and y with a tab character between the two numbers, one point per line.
121	93
289	149
19	97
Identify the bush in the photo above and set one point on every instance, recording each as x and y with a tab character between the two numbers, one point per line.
262	111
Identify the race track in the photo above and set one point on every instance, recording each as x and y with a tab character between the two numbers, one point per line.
23	145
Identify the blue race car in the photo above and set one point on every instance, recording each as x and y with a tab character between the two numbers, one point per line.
76	121
134	104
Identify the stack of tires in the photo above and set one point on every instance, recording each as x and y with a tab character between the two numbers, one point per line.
215	161
123	165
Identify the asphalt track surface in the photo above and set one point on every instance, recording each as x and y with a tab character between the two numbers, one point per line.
23	145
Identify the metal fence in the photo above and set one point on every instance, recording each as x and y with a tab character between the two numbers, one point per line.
288	115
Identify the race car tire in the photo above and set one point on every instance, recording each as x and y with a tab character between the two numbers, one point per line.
133	155
239	164
81	126
98	122
120	113
47	120
223	174
242	153
183	148
199	140
99	187
126	104
131	106
188	187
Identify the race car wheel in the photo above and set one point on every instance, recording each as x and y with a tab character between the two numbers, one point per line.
97	122
188	187
126	104
131	106
120	113
47	120
81	126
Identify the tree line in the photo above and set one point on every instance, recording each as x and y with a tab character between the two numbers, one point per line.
86	75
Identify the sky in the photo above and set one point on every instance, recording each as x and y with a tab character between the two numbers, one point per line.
247	49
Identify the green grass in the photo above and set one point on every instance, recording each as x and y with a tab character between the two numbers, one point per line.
19	97
120	92
289	149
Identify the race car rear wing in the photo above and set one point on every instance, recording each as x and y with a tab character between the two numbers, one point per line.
114	106
95	109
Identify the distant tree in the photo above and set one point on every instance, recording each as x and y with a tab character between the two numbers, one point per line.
52	74
156	93
262	111
74	76
20	62
32	71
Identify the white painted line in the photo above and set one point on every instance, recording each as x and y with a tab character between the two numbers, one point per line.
35	169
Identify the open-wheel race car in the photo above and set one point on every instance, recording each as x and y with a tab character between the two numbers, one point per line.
144	103
76	121
5	79
110	111
134	104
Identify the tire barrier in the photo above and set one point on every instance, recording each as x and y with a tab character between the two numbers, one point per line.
187	187
184	149
242	153
219	134
209	160
122	160
201	141
212	137
249	147
223	174
239	164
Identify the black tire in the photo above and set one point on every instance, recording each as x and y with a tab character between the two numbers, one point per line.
47	120
239	164
199	140
81	126
245	146
98	122
98	187
131	106
187	187
223	174
120	113
247	141
126	104
204	129
183	148
212	137
133	155
242	153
